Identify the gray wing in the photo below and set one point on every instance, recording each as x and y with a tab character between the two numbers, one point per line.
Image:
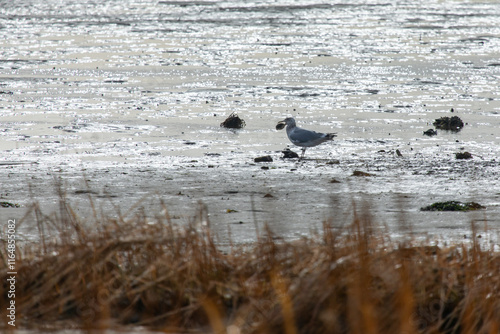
303	137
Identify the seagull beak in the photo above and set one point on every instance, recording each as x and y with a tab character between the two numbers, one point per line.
280	125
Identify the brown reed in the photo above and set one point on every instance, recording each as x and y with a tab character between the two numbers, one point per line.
126	272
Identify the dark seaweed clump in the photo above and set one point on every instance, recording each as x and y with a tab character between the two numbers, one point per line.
233	122
453	206
463	155
9	205
449	123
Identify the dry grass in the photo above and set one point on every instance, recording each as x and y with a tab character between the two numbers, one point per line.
125	272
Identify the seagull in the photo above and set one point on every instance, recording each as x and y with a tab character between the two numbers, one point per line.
302	137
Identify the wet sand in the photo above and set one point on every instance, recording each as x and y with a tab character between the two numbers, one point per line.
293	198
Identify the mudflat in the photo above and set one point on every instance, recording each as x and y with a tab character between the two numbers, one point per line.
122	106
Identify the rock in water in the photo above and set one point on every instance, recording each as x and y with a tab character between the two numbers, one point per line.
463	155
289	154
233	122
449	123
266	158
430	132
360	173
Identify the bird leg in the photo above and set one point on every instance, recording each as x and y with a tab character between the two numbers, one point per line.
303	153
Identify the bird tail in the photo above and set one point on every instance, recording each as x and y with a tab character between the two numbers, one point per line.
330	136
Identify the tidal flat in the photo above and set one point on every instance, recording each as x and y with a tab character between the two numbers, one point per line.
135	210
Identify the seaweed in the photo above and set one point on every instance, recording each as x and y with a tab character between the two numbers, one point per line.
4	204
453	206
449	123
233	122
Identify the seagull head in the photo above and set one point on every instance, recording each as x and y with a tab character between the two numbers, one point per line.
289	121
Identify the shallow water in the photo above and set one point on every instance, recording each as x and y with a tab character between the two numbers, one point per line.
126	98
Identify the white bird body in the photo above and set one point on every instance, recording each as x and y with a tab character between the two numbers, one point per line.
302	137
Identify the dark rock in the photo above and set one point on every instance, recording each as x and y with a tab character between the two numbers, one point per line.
360	173
430	132
453	206
289	154
84	192
233	122
449	123
266	158
463	155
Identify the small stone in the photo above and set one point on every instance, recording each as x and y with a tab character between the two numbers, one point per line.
360	173
463	155
453	206
289	154
265	158
430	132
84	192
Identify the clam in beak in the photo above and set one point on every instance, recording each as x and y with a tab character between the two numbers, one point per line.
280	125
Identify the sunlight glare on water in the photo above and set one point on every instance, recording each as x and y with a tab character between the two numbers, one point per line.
145	84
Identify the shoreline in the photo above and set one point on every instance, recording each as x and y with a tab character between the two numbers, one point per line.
294	198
